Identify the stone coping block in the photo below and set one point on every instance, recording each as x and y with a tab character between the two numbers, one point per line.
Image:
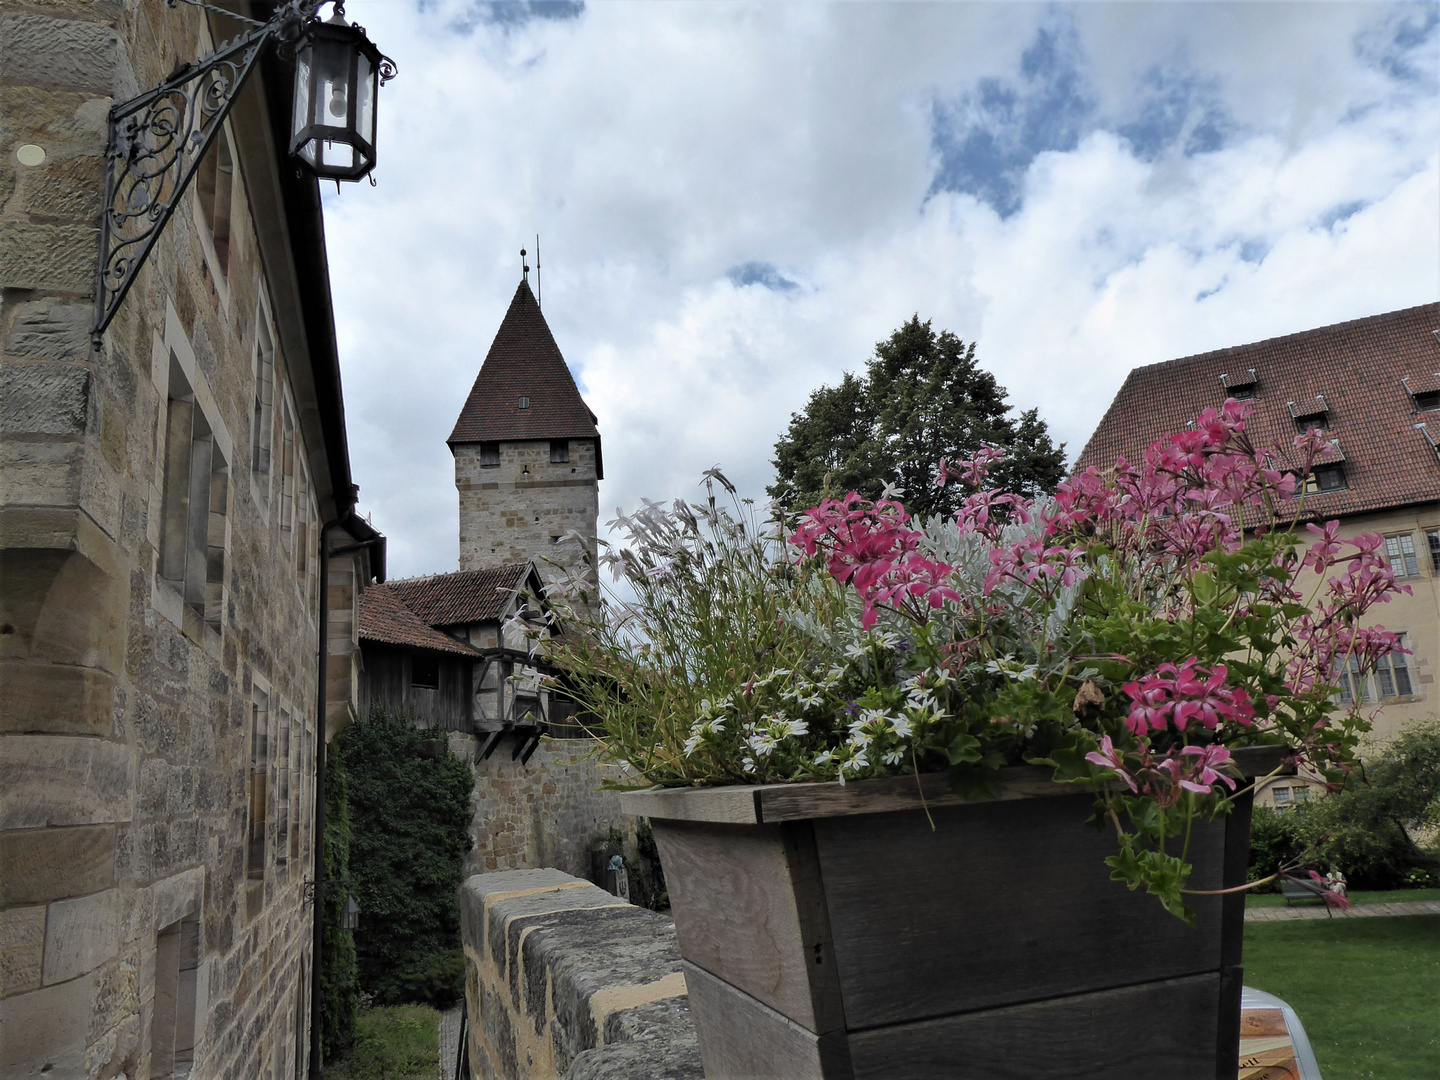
565	980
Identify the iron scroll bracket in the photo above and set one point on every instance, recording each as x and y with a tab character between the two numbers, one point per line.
157	141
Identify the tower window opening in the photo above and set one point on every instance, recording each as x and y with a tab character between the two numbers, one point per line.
489	454
559	451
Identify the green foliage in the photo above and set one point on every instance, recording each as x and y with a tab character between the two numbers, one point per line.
411	811
397	1043
1369	830
1275	841
922	397
339	996
1365	989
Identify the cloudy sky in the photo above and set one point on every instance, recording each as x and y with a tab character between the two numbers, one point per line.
737	200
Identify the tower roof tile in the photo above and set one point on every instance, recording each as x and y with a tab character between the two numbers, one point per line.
524	362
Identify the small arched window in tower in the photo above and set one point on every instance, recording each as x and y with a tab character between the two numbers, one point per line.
559	451
524	403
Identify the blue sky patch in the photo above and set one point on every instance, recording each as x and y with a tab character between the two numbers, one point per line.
1339	213
759	273
1176	107
513	13
1403	46
987	138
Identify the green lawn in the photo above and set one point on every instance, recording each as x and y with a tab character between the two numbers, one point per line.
1397	896
397	1043
1367	990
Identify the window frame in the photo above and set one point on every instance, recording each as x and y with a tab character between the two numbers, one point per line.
559	451
1394	669
1409	561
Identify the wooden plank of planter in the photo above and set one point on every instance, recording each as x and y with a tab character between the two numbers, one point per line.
748	905
1000	904
741	1039
734	805
1165	1029
753	804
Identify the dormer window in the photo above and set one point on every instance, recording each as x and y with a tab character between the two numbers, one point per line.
1242	387
524	403
1317	418
1326	478
1423	400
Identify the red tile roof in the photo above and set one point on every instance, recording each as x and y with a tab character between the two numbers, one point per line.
1357	366
524	361
385	618
467	596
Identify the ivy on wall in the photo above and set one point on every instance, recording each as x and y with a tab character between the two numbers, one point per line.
339	990
410	812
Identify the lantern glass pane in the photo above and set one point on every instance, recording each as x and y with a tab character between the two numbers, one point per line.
365	87
303	89
335	155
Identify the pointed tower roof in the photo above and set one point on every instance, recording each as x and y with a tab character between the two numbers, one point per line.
524	365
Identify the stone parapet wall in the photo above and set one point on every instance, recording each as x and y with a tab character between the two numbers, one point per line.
564	980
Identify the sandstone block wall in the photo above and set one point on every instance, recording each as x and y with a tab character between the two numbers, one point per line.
139	930
547	812
519	509
564	980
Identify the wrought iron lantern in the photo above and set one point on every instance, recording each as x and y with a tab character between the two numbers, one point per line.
338	73
158	138
350	916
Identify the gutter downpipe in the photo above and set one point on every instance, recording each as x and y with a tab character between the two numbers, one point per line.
317	967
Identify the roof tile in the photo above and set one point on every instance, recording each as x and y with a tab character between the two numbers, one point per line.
466	596
385	618
524	361
1356	365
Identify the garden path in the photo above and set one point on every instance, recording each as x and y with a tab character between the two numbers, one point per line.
1359	911
449	1040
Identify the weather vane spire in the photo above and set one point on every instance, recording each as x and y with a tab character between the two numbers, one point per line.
524	267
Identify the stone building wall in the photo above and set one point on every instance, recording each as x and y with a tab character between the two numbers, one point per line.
518	510
548	811
139	925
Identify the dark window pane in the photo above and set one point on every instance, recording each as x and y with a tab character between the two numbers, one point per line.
425	670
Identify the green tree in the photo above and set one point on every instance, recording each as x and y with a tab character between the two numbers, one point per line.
1372	829
922	397
410	812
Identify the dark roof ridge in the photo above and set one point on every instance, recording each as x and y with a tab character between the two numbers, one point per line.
1298	334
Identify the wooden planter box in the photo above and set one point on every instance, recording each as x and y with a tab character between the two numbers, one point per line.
827	931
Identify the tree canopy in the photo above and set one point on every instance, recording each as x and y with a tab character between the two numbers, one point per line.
922	397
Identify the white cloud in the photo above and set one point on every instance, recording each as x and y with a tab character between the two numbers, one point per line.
656	147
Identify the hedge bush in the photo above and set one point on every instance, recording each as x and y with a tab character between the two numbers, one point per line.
339	997
410	810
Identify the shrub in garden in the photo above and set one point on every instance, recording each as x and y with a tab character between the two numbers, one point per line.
1126	632
411	816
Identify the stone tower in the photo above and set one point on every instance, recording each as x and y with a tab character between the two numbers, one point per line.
527	453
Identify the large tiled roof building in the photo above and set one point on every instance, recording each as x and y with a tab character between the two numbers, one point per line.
1373	385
